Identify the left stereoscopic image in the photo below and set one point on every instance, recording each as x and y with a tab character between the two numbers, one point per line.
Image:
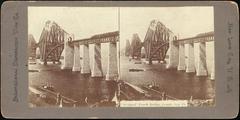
73	58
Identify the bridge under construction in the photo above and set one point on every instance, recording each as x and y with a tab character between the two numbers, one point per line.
160	44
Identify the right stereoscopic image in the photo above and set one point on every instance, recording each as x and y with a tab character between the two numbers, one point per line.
167	56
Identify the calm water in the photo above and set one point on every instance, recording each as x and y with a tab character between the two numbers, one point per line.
71	84
175	83
78	87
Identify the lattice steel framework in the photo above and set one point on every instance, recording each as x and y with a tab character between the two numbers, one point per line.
136	46
32	45
156	42
51	42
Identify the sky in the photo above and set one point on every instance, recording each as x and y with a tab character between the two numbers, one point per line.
84	22
182	21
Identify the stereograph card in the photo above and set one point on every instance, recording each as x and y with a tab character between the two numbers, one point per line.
119	59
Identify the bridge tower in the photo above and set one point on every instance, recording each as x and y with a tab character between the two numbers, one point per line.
51	42
127	48
32	45
156	41
136	46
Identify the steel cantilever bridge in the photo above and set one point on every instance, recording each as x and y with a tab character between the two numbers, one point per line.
54	42
52	39
159	40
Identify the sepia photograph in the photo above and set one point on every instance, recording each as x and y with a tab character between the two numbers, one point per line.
167	56
73	56
121	56
119	59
